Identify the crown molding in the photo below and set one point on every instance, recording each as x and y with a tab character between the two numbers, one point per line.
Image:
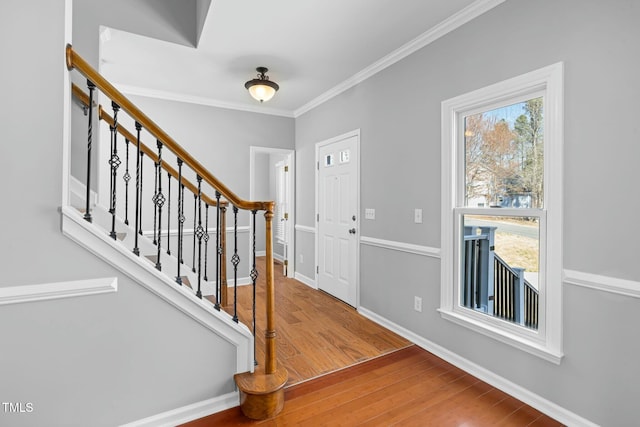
455	21
199	100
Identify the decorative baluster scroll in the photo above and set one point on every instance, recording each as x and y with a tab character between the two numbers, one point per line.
114	162
87	212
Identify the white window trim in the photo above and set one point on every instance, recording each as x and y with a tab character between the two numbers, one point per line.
547	341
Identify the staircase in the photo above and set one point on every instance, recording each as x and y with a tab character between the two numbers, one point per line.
167	227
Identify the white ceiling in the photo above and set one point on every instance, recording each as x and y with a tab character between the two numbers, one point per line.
313	49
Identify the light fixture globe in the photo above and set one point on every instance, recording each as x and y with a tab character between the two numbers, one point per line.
262	89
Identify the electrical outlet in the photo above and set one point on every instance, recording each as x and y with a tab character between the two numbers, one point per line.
417	216
417	304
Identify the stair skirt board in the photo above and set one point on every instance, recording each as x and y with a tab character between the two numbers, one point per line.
143	272
188	413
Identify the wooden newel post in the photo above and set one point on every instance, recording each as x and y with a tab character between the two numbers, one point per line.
270	331
262	392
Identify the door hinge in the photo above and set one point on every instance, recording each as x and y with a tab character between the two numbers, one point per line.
286	262
318	217
286	216
318	165
317	269
286	168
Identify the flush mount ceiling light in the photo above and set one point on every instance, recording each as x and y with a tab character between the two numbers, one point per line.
262	89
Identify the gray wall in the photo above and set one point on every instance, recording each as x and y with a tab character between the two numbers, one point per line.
99	360
398	112
261	191
220	140
176	21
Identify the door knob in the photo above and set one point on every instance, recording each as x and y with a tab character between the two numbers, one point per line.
352	231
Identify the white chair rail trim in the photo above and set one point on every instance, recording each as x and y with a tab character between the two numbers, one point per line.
48	291
401	246
305	228
630	288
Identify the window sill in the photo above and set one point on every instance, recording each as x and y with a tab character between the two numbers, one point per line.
536	349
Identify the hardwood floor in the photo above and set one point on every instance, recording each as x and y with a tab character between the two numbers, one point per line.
345	370
409	387
316	333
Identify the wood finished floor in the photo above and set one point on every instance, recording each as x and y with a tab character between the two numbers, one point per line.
316	334
409	387
345	370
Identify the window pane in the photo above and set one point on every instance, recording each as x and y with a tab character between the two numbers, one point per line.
504	156
500	266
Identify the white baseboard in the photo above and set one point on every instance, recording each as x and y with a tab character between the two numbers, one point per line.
188	413
543	405
306	280
276	256
42	292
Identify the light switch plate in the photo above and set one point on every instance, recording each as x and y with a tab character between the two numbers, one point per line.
369	213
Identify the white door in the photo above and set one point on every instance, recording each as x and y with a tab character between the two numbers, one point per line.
282	211
338	218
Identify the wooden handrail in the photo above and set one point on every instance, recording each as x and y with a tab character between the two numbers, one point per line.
103	115
76	61
262	392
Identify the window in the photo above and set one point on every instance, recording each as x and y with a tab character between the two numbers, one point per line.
502	211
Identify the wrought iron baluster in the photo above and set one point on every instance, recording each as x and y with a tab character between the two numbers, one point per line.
199	233
254	277
159	200
141	175
180	219
114	162
126	177
206	239
136	249
156	172
218	253
223	256
169	214
193	261
87	212
235	260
